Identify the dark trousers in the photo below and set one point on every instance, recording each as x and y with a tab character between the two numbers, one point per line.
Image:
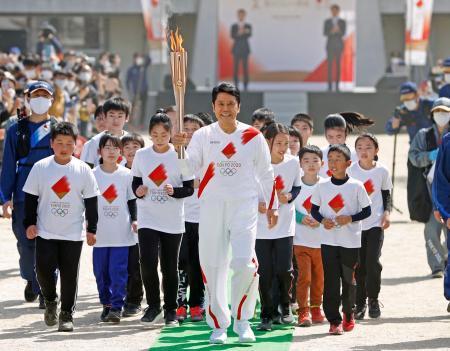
294	280
339	264
368	273
334	55
65	256
150	243
189	262
274	258
135	290
25	247
237	60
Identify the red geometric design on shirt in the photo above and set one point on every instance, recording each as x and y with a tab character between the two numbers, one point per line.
110	194
329	173
229	150
370	188
279	183
158	175
337	203
419	3
62	187
209	174
248	135
307	205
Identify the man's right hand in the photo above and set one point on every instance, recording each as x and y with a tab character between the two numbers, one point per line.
32	232
180	139
7	209
395	122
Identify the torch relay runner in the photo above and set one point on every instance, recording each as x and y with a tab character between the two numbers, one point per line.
235	162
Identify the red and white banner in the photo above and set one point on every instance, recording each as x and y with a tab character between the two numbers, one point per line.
418	25
287	45
155	19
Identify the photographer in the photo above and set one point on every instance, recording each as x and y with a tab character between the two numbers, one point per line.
49	48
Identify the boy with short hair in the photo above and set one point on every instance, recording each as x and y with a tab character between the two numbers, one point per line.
117	113
305	126
58	193
130	144
307	241
340	203
262	117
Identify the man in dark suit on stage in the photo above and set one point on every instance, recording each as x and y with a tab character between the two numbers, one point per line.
334	30
240	32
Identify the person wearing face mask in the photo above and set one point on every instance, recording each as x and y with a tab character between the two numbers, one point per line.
444	91
31	68
423	154
27	142
61	97
413	113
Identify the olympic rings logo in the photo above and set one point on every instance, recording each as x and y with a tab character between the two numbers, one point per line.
228	171
159	198
110	214
62	212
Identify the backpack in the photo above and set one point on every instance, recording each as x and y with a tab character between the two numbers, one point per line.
418	194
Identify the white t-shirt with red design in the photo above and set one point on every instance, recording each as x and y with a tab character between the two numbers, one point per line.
90	153
374	180
231	165
157	210
287	175
337	200
61	190
114	222
192	206
305	235
324	171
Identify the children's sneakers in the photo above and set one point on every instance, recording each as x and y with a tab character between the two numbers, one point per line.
28	293
242	328
113	316
286	315
304	318
265	325
374	308
104	315
360	312
196	313
218	336
65	322
181	314
151	316
51	313
171	318
336	329
131	310
317	315
349	322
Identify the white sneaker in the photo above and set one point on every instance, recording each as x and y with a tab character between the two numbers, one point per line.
218	336
242	328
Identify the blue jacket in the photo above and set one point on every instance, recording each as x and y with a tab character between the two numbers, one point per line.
445	91
13	175
441	181
412	120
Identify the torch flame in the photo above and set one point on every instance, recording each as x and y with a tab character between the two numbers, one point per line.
176	41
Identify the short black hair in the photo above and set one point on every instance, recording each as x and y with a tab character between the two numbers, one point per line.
273	129
160	118
295	133
117	103
115	140
98	111
263	114
310	149
193	119
371	137
341	148
166	109
63	128
133	138
205	117
335	6
303	117
226	88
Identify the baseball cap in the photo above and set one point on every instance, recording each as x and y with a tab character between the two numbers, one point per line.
442	103
408	88
446	62
39	85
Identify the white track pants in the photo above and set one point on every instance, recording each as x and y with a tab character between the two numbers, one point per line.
223	223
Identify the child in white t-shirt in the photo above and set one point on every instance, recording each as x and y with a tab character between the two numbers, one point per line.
337	127
305	126
378	185
274	246
115	229
131	143
160	188
59	191
307	241
340	204
190	274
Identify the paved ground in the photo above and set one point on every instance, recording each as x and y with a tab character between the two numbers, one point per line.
414	316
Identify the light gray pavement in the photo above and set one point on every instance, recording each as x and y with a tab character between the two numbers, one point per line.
414	316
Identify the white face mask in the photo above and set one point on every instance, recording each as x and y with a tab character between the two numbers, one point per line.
411	105
70	85
61	83
40	105
447	77
30	74
139	61
85	77
47	75
441	118
11	92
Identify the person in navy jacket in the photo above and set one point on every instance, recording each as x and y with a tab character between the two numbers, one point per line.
240	33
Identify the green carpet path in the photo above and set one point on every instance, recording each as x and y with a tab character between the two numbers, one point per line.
195	336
